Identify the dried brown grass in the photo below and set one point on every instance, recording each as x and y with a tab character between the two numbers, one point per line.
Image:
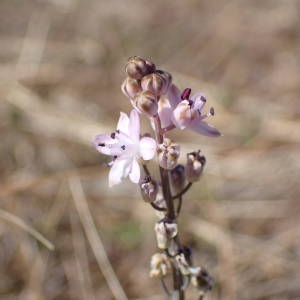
61	67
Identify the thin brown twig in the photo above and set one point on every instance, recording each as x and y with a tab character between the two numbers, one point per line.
94	238
19	222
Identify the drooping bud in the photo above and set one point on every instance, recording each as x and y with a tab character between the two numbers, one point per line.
130	87
168	154
149	189
160	265
138	67
177	178
183	264
194	166
146	102
165	231
157	83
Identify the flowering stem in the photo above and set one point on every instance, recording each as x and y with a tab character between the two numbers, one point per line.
178	293
179	205
165	288
164	175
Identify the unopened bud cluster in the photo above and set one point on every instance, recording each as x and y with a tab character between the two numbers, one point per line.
145	84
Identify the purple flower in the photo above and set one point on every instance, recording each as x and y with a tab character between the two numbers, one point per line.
126	147
184	113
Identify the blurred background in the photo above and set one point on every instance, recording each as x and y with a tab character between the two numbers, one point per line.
62	63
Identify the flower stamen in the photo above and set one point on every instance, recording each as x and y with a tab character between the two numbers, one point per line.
186	94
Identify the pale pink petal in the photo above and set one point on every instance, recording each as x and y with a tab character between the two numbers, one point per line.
165	112
199	101
119	170
135	172
106	145
204	128
123	123
134	125
174	96
182	115
147	148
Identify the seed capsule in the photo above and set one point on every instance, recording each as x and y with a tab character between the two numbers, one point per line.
160	265
183	264
165	231
194	166
201	279
168	154
149	189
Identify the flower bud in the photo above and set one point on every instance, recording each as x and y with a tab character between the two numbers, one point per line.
157	83
130	87
165	231
168	154
177	178
167	79
137	67
149	189
160	265
150	66
194	166
146	103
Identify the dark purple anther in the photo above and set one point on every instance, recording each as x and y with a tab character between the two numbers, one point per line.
113	135
203	99
212	111
123	147
101	145
186	94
